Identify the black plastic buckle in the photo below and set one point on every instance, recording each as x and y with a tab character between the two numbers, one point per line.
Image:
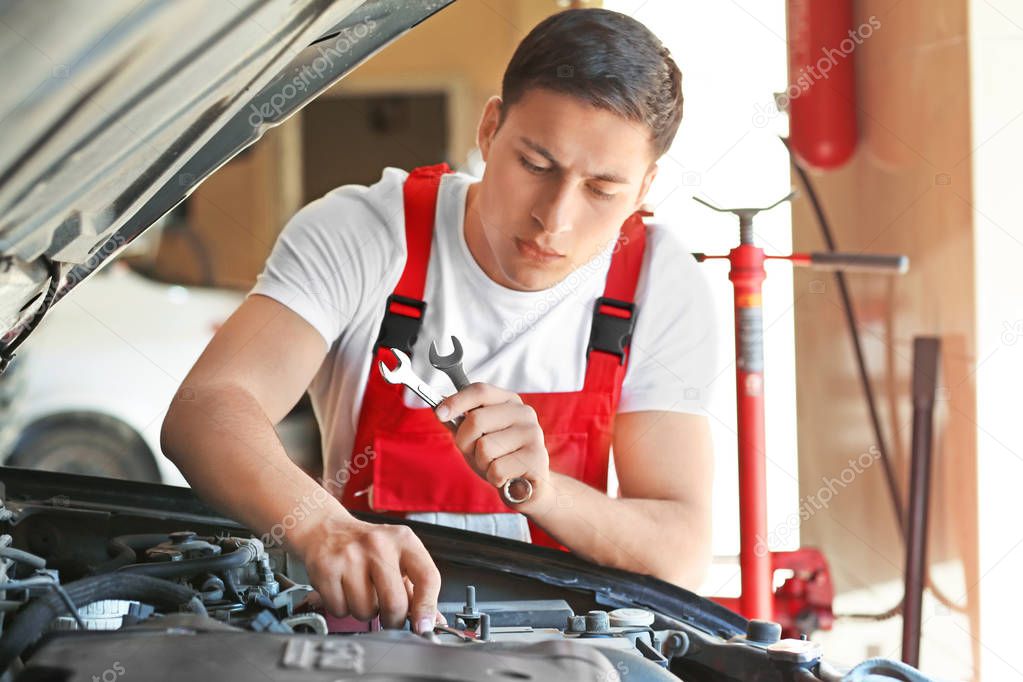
398	330
611	333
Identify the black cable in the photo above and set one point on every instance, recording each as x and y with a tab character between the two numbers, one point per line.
854	334
7	352
868	392
21	556
32	620
122	550
47	582
861	365
245	554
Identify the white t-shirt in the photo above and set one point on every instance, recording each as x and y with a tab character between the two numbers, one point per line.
339	258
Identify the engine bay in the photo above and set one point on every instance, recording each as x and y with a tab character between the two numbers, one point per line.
164	588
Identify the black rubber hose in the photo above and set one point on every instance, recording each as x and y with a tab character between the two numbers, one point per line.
7	352
32	620
122	549
21	556
881	443
245	554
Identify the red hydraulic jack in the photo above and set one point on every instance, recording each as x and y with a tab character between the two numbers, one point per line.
803	603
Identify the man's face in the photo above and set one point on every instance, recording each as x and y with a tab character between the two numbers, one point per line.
561	177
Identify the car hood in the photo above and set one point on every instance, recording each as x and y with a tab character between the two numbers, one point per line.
114	112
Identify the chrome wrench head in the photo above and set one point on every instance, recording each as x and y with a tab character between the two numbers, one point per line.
403	374
450	364
451	359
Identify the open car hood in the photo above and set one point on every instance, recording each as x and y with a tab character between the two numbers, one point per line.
114	112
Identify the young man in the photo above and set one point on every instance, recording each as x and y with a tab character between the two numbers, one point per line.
513	265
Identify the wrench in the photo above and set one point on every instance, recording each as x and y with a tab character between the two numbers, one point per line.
403	374
451	365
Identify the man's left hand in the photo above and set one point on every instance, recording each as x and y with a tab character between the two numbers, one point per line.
500	437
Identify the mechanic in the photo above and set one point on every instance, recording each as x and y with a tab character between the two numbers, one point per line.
513	265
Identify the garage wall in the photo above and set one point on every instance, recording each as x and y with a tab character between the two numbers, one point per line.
908	190
237	213
462	51
996	60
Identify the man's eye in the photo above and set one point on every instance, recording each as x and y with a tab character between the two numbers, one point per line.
600	195
532	168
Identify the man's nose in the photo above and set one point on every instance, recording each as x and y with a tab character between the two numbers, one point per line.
555	210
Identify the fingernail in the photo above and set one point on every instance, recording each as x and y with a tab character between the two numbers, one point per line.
424	625
443	412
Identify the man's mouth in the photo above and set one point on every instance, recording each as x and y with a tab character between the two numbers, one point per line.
536	252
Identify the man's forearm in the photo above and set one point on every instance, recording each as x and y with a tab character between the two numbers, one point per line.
221	440
655	537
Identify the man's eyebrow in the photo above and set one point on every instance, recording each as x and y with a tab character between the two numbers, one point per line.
545	153
539	149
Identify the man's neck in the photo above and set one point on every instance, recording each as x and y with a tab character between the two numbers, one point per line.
479	248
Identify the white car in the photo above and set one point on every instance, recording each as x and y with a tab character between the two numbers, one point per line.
97	379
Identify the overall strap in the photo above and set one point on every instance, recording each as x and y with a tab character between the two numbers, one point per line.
405	306
614	313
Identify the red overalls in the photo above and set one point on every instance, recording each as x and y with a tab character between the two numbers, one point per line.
416	466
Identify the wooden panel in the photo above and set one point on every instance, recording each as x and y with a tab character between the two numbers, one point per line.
463	50
351	139
906	191
235	215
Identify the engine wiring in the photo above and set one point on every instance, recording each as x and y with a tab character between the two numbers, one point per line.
7	352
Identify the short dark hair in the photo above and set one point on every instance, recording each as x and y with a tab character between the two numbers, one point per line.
605	58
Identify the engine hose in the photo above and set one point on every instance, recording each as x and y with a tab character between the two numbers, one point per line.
32	620
122	550
21	556
884	669
245	554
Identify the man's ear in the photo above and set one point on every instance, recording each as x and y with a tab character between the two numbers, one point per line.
644	187
489	123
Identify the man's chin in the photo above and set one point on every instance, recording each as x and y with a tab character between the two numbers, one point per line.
531	277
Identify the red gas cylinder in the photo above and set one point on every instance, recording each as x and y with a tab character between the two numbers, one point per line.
821	97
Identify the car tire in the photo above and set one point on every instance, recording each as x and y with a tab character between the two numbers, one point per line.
82	443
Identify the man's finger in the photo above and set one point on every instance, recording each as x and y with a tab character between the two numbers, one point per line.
359	593
332	598
417	564
488	419
439	619
473	396
512	465
391	594
498	444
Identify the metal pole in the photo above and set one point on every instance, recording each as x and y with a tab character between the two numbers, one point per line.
926	351
747	276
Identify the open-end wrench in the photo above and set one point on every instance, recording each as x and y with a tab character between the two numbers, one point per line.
450	364
403	374
515	490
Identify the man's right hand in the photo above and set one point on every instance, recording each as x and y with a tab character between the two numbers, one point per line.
219	431
364	569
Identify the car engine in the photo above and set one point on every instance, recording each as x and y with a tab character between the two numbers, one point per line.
143	581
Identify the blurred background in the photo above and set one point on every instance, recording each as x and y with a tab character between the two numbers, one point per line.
938	112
